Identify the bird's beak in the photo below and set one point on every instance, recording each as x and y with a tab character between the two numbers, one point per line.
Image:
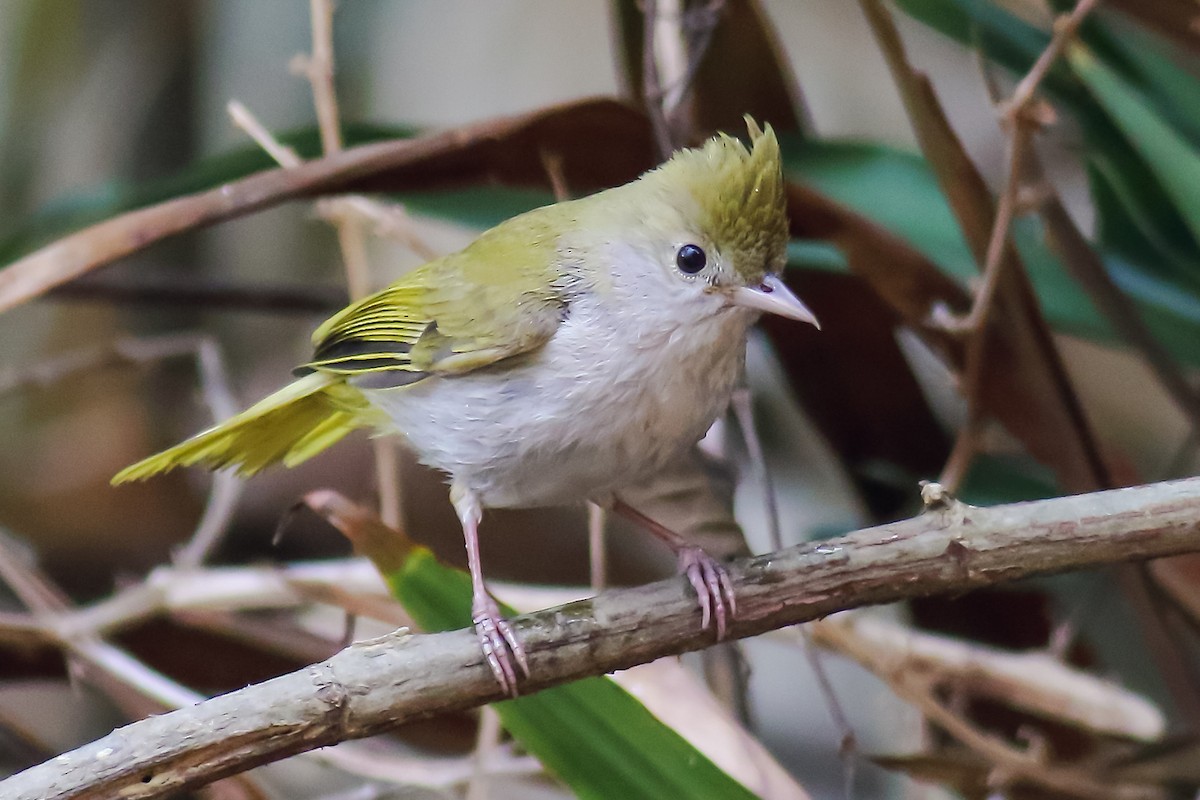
773	297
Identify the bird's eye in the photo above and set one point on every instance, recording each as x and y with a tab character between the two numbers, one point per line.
690	259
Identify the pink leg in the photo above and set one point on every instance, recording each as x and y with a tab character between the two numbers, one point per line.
707	575
496	637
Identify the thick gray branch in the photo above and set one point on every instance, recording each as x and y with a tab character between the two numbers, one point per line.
373	686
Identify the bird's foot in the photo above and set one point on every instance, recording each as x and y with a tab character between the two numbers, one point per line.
713	587
501	647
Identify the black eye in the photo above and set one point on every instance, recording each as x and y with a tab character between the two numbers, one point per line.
690	259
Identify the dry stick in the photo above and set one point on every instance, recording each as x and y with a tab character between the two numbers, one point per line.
227	487
351	237
90	657
376	685
848	744
919	689
743	411
1064	30
966	445
597	526
1081	259
487	742
319	70
1036	682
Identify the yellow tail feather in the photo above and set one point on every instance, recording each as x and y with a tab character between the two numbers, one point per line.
291	425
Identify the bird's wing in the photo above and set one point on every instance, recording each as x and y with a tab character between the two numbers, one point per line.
497	298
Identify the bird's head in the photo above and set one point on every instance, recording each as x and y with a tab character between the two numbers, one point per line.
712	222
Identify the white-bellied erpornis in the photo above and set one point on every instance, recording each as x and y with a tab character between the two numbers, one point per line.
566	353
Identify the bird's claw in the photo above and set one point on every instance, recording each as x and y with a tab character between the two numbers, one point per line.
713	587
500	644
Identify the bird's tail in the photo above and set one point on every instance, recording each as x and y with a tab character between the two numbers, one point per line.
291	425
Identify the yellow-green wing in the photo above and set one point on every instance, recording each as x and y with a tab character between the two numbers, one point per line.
499	297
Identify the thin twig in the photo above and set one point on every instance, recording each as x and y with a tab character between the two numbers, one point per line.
1021	123
241	116
597	546
1064	31
966	447
226	486
743	411
487	742
848	743
319	70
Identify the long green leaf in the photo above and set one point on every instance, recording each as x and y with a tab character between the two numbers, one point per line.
1170	157
592	733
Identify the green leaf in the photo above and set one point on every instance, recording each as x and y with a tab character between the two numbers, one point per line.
1144	60
478	207
995	480
592	733
1170	157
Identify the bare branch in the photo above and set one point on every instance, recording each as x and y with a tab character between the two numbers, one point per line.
375	685
1035	681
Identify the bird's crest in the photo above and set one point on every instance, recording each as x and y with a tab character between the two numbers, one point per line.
740	192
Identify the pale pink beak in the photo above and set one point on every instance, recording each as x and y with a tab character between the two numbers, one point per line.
773	297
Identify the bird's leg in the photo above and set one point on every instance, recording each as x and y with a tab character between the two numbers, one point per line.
708	576
496	636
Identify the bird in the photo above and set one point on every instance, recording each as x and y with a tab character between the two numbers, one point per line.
567	353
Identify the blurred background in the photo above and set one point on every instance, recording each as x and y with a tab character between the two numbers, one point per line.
105	107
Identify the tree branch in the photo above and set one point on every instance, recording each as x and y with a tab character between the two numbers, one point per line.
376	685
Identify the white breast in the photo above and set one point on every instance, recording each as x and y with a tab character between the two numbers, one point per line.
624	385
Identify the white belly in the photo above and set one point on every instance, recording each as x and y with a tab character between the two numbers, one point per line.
599	407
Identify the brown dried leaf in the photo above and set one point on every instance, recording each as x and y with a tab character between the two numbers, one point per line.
387	547
600	142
